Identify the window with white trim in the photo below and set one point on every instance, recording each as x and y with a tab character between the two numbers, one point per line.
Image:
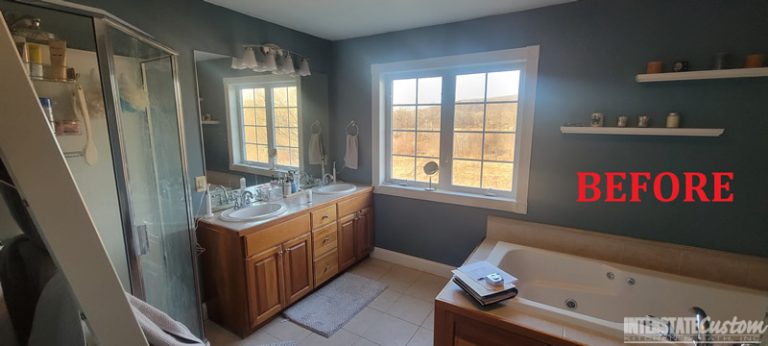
471	114
263	120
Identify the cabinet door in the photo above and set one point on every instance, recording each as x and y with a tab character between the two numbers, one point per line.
364	233
297	268
265	285
346	241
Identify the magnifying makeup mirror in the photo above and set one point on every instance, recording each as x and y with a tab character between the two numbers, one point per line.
430	169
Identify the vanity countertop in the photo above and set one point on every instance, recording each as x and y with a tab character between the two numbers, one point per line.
295	205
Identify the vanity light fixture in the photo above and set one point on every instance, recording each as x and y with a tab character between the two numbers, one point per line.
272	58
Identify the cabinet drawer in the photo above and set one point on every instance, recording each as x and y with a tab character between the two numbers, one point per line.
324	240
324	216
351	206
326	267
275	235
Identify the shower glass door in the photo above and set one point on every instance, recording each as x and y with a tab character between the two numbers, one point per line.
145	89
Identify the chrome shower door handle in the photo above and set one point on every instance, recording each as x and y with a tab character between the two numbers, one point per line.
142	238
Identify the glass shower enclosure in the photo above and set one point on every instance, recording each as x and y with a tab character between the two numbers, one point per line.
144	149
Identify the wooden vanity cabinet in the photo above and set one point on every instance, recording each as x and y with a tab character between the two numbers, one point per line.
251	275
355	236
264	281
278	277
364	233
297	268
346	241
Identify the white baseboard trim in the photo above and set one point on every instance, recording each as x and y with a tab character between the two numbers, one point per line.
439	269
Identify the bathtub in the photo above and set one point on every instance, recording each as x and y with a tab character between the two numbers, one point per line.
548	282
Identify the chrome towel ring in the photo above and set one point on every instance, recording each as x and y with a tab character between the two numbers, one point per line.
352	128
317	128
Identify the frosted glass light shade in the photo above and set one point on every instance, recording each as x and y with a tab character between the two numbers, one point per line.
287	65
249	58
303	68
237	64
270	62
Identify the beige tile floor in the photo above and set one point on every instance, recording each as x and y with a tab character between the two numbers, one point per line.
402	315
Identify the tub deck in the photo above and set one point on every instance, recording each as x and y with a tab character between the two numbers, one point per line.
453	307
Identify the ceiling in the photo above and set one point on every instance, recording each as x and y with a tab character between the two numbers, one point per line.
342	19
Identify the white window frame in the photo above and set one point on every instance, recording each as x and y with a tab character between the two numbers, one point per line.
235	133
525	59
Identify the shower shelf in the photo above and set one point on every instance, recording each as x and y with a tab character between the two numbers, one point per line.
51	80
210	122
71	154
638	131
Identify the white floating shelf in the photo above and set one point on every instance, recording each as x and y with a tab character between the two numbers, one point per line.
640	131
709	74
210	122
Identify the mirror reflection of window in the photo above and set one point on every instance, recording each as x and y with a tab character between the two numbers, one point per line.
256	125
264	120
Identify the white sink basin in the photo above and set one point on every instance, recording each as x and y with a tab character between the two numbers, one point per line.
253	213
335	189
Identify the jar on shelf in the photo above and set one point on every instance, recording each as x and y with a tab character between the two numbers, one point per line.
673	120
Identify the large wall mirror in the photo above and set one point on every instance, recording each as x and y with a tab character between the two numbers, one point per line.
258	125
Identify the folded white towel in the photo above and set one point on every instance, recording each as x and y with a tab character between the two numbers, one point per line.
350	158
316	150
159	328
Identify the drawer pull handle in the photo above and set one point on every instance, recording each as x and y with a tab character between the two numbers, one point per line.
324	217
326	269
326	240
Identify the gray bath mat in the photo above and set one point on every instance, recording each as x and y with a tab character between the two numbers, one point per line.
284	343
328	309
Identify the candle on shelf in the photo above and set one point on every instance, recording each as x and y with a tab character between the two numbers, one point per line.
673	120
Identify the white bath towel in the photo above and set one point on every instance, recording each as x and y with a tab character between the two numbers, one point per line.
350	158
159	328
316	150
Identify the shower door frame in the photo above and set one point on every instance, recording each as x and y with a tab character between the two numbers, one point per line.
102	22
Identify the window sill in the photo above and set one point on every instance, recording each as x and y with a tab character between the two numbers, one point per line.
451	197
268	172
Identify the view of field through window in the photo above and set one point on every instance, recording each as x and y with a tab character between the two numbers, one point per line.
415	127
485	118
256	129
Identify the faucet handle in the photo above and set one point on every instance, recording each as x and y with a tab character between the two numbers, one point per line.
247	198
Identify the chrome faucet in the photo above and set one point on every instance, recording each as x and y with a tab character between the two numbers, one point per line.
223	198
246	198
262	194
329	178
703	337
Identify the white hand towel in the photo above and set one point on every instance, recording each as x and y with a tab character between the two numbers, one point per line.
350	158
316	150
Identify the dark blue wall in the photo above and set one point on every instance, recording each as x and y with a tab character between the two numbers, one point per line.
590	52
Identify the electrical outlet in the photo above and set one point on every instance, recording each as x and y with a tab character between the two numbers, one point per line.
201	183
